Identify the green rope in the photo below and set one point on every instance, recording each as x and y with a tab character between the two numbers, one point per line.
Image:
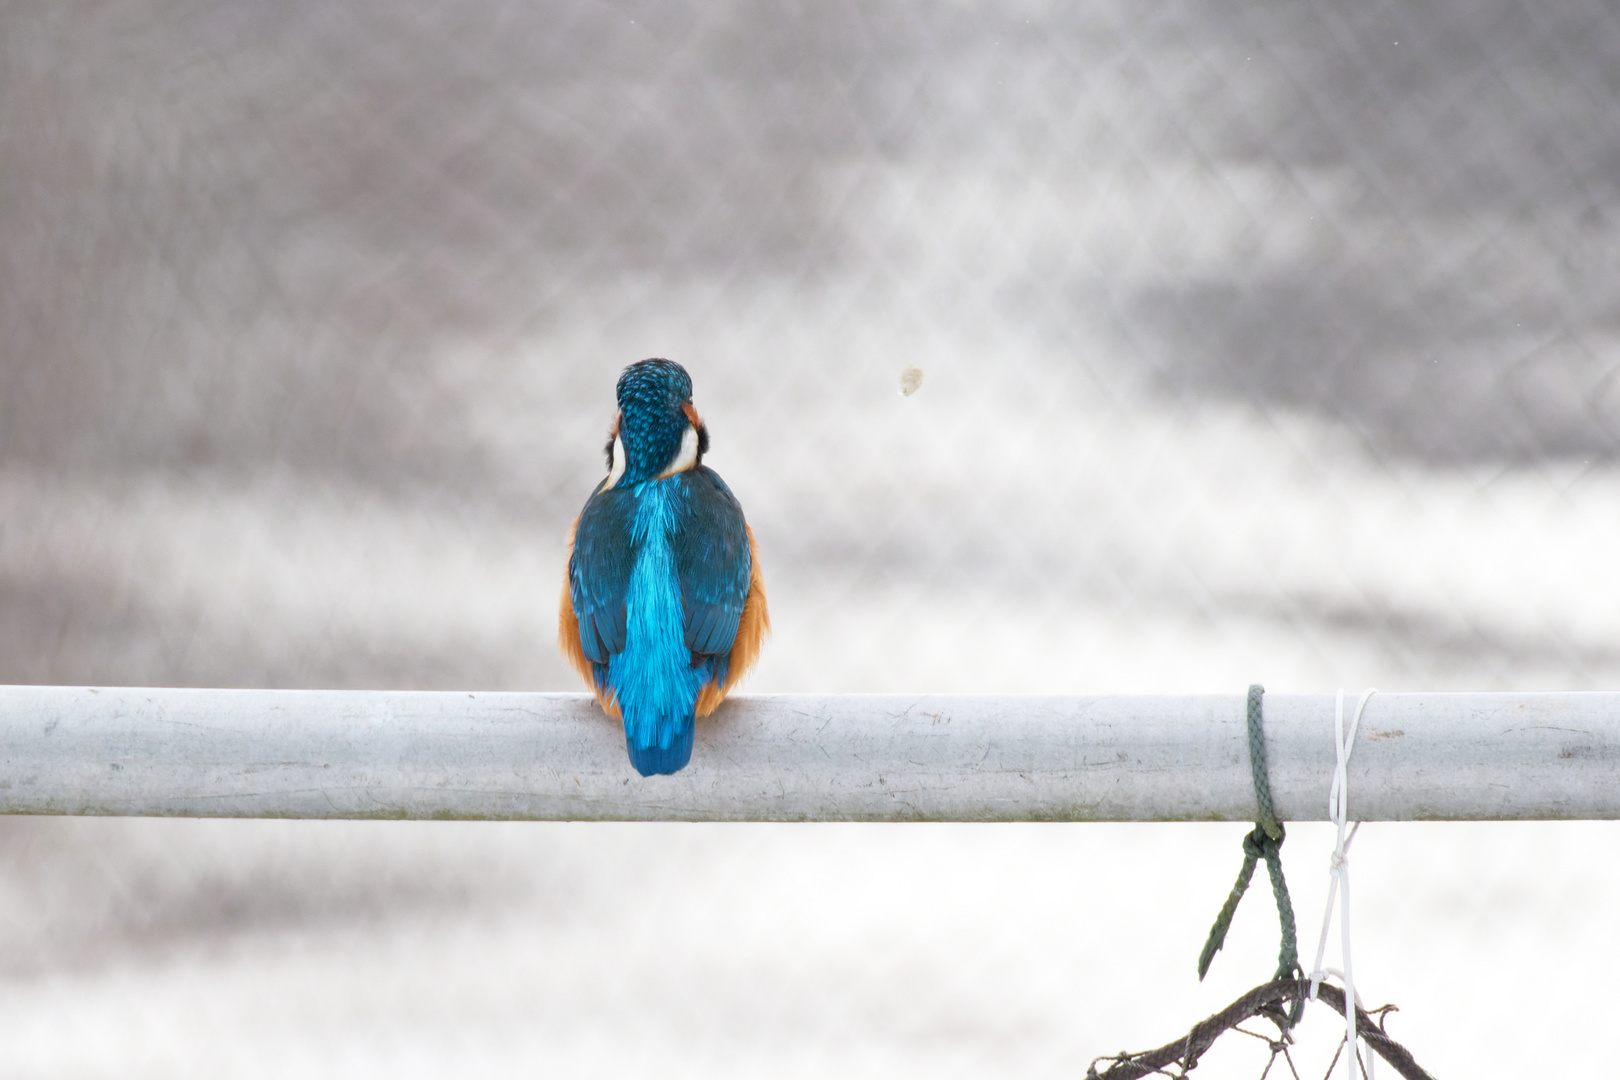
1257	764
1264	842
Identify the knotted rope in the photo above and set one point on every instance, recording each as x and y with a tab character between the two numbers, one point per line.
1264	842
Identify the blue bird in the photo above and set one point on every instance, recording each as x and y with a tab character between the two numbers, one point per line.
664	607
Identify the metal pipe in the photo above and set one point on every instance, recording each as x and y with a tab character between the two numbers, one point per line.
799	757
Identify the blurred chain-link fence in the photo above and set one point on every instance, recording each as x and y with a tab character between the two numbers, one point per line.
1259	342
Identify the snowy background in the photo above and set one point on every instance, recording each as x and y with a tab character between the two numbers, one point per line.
1262	343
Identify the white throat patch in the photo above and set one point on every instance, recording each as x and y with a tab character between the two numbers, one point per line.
688	455
618	464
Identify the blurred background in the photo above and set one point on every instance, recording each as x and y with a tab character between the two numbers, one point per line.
1259	342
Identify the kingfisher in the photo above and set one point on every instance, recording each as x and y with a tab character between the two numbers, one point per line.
663	609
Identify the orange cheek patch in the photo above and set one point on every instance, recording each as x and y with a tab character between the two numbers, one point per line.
691	413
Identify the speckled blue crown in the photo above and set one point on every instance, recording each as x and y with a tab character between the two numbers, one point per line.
651	422
654	385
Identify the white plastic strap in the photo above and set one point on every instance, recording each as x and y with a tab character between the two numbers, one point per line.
1339	877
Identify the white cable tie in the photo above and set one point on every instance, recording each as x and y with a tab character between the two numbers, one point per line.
1337	974
1339	874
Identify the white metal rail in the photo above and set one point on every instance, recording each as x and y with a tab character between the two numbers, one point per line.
349	754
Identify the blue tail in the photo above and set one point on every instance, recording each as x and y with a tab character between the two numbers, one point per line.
653	679
660	761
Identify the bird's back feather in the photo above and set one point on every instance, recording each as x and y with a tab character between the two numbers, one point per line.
752	626
664	608
600	566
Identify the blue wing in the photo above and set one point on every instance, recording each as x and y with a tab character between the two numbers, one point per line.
599	572
712	561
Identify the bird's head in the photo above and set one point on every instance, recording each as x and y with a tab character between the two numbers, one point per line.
657	432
